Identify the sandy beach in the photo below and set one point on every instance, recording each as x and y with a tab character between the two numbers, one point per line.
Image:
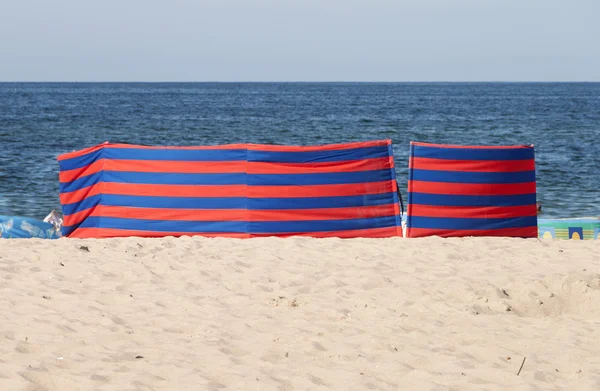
299	313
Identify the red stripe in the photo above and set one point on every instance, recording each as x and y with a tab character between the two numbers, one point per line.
81	194
155	214
423	163
309	168
225	167
474	211
78	217
152	166
526	232
231	214
361	212
252	147
470	146
228	190
471	188
86	233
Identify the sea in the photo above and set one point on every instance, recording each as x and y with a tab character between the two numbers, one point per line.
39	121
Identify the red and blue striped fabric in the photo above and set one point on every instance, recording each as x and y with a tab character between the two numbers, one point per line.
471	191
243	190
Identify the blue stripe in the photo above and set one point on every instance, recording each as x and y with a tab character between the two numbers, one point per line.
471	224
227	202
80	183
237	226
160	178
319	202
165	225
66	230
182	155
69	209
80	161
473	153
473	177
191	155
156	202
216	155
471	200
318	156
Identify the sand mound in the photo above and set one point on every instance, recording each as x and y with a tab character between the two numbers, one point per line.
555	295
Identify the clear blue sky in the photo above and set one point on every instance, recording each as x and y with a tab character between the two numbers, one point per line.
300	40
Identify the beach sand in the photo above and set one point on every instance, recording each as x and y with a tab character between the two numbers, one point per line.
299	313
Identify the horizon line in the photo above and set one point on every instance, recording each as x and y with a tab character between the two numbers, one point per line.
304	81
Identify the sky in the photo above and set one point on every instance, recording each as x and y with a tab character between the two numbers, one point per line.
300	40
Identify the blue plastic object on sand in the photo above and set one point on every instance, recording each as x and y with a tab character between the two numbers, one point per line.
12	227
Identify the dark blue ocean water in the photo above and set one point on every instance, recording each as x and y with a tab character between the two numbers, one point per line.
38	121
